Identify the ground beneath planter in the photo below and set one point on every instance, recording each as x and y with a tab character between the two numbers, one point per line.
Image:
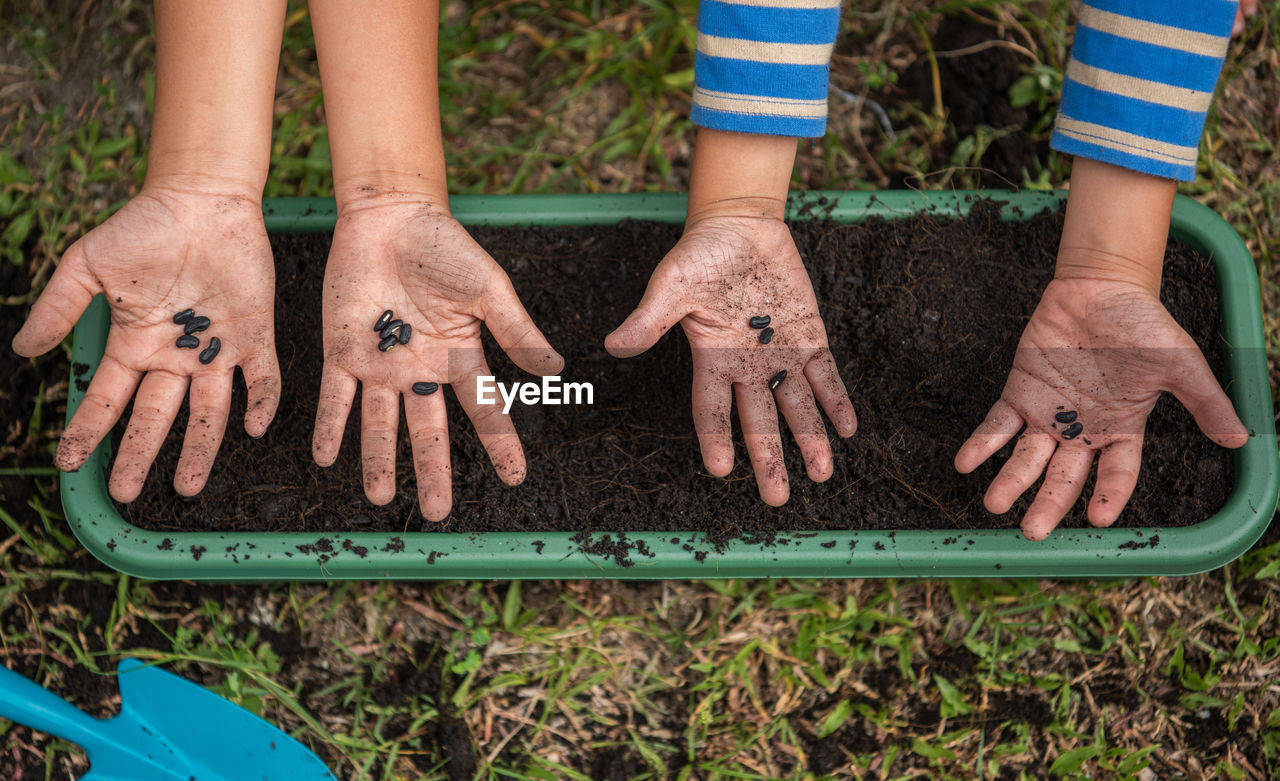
923	317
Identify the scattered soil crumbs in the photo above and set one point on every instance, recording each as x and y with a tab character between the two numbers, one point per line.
923	317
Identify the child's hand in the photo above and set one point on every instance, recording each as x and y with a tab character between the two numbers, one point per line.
1105	350
167	250
416	260
724	271
1246	10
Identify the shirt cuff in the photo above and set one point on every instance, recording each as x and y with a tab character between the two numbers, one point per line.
1140	80
763	67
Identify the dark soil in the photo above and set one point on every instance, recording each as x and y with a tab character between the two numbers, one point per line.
88	603
923	316
420	674
617	763
1031	709
32	402
975	94
856	736
411	677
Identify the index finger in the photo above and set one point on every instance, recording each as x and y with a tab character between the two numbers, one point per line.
496	431
109	391
1001	424
337	391
824	380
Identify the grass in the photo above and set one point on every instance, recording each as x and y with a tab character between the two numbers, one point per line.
1148	678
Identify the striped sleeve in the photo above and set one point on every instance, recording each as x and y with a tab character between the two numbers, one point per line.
1140	80
761	66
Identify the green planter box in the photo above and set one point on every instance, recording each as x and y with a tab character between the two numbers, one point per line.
1073	553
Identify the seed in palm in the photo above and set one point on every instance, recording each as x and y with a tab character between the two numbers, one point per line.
1073	431
777	379
425	388
383	320
388	343
1066	417
766	336
196	324
406	333
759	321
391	329
209	353
188	342
183	317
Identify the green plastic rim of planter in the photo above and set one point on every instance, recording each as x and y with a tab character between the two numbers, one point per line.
1073	553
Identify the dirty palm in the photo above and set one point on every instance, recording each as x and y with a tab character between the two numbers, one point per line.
760	84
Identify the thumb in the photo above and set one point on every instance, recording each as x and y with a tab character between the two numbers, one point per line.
661	307
513	328
59	306
1198	390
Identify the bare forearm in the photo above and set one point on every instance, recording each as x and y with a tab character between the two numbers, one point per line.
382	104
740	174
215	89
1116	225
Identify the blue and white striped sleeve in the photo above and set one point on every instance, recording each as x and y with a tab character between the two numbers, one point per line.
762	65
1140	80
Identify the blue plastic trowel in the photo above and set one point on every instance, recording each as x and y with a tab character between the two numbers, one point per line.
168	729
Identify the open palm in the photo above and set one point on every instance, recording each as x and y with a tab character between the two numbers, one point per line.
163	252
723	272
417	261
1105	351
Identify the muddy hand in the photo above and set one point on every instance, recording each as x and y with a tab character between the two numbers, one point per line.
1089	368
415	260
166	251
724	272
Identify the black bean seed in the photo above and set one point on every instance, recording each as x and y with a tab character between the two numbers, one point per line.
759	321
390	328
211	352
1066	417
1073	431
196	324
182	317
382	321
777	379
766	336
387	344
425	388
187	341
406	333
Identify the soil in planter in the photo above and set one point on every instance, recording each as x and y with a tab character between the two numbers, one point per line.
923	316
